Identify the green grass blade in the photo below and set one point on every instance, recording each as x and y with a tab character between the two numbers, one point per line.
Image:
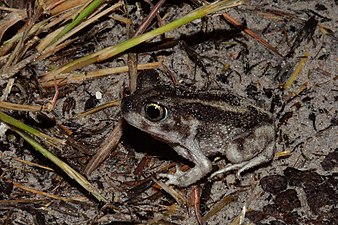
109	52
81	180
20	125
83	15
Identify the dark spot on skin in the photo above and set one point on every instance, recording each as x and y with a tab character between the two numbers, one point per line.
166	127
239	142
144	125
177	126
225	96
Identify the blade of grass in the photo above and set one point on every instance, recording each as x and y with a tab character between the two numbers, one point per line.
9	43
83	15
106	148
20	125
220	205
109	52
99	108
19	107
48	41
38	192
297	70
66	78
251	33
81	180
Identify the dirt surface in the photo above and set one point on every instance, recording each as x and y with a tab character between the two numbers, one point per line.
299	188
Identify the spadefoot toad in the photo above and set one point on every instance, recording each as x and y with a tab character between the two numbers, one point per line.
201	124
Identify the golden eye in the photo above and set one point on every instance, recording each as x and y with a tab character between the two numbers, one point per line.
155	112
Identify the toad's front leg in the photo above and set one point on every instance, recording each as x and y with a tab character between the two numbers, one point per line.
183	179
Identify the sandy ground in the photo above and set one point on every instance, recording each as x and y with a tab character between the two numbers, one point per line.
299	188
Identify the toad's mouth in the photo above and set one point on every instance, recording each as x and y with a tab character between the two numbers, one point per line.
152	128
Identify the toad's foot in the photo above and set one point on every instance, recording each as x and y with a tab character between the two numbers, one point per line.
229	168
241	167
184	179
173	179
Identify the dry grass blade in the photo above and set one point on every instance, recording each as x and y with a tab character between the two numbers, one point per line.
33	164
109	52
66	78
19	107
10	71
74	27
219	206
251	33
17	185
282	154
61	6
16	202
132	57
177	196
108	146
297	70
196	198
99	108
23	44
79	18
10	20
7	90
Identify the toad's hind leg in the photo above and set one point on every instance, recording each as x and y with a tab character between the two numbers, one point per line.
250	150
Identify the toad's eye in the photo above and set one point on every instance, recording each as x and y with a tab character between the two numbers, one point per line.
155	112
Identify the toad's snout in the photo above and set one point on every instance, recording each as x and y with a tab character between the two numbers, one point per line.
126	105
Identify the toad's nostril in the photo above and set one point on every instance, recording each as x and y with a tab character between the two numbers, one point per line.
126	105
